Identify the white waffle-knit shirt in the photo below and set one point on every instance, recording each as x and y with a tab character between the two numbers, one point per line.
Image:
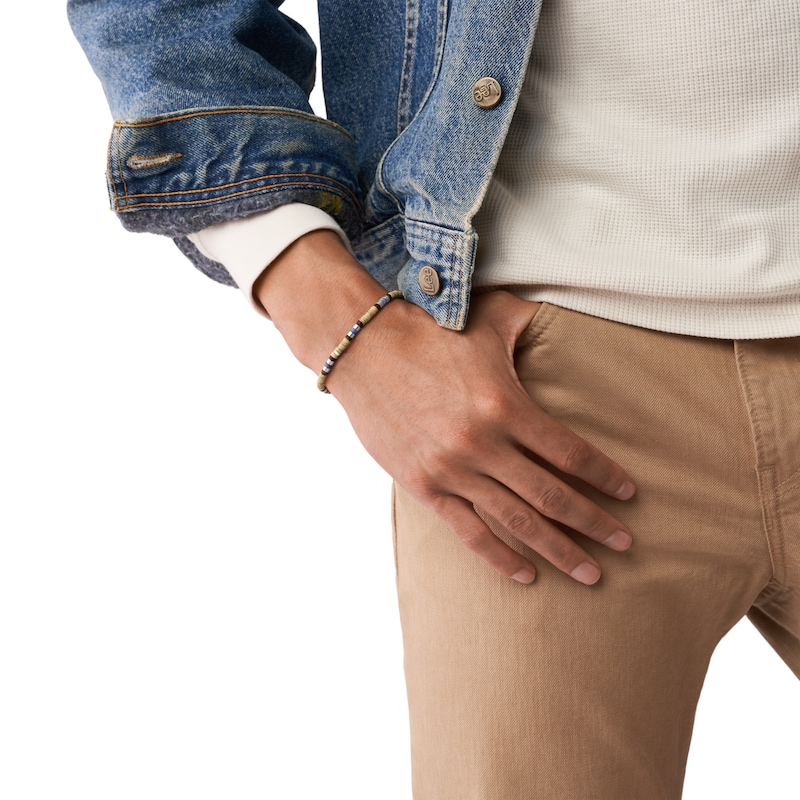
651	174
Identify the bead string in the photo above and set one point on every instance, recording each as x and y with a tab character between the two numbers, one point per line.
351	334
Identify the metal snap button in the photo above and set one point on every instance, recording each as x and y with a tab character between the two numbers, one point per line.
486	92
428	281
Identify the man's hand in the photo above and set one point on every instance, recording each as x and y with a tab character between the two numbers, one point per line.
444	413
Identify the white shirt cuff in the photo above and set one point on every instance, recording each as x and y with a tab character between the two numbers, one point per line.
247	246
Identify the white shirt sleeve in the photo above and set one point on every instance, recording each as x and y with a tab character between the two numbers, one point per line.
247	246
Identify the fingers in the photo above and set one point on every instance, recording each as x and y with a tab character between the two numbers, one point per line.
567	452
546	494
528	526
527	499
523	523
474	533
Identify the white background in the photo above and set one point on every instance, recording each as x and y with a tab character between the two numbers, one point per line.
188	608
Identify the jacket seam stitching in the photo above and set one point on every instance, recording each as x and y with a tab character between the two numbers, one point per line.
403	97
198	201
460	280
270	176
452	286
434	227
121	171
265	112
112	183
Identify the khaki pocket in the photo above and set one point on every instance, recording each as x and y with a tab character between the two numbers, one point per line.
535	333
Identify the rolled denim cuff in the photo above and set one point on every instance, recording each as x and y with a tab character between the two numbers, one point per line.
178	173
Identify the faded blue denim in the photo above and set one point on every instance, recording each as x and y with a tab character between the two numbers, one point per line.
213	122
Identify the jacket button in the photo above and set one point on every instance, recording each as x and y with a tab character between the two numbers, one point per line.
428	281
486	92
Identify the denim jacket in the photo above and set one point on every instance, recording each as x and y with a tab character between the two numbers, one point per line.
213	122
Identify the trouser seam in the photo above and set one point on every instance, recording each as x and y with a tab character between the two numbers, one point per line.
765	472
771	520
538	326
792	482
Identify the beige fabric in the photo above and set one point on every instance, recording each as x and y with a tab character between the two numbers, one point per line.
651	173
558	691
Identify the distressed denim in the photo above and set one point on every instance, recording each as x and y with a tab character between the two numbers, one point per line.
213	122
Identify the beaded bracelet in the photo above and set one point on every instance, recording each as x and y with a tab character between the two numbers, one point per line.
351	334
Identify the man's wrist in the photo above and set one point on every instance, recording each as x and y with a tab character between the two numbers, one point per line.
246	246
313	292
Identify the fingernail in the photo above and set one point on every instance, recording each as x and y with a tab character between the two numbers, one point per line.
626	491
619	540
586	573
524	576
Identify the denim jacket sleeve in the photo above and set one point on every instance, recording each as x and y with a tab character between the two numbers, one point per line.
212	120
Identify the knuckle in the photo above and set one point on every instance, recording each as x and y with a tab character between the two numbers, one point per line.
464	438
520	523
473	538
493	405
419	485
553	501
599	528
564	554
438	464
576	458
611	479
440	461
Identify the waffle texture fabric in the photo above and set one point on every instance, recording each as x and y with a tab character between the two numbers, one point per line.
651	174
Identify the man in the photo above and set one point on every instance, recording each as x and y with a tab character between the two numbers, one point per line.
630	173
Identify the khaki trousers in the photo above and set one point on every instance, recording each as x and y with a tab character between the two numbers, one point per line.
559	691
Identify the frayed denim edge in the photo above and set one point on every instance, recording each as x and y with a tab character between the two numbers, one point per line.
213	269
